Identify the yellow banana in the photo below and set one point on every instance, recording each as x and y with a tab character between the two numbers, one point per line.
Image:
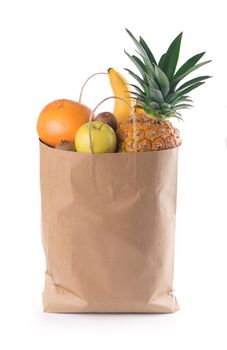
120	88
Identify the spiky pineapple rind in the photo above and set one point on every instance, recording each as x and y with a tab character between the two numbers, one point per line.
142	134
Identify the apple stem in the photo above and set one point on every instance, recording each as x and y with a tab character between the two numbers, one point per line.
100	126
82	89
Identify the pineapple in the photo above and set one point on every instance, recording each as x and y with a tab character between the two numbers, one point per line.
158	97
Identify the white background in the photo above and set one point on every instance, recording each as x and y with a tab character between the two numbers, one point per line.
47	49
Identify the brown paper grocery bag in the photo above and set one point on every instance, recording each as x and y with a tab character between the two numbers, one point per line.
108	226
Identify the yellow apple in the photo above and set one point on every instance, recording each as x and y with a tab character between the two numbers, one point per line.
103	137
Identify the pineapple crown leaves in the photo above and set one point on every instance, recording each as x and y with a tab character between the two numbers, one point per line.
159	94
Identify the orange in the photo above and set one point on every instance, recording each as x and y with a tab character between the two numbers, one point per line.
60	120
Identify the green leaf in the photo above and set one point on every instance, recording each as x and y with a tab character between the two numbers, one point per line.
192	81
162	79
188	64
137	63
178	116
142	96
140	63
136	42
171	57
155	105
183	106
161	61
174	96
166	105
178	79
135	76
137	88
141	100
149	66
148	51
151	81
137	94
167	111
147	91
184	98
156	95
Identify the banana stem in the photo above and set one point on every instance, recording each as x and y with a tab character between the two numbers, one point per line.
82	89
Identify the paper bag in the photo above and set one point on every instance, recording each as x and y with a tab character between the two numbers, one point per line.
108	227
